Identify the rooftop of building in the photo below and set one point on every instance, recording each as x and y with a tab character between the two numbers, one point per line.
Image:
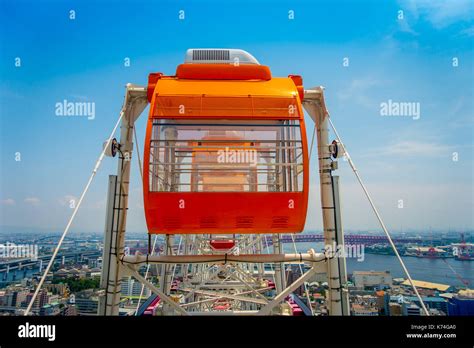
426	299
371	272
356	307
427	285
467	294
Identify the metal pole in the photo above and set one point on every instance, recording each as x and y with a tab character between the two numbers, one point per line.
139	259
108	237
314	105
134	104
340	241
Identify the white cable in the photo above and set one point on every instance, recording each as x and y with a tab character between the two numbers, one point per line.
138	153
71	219
354	169
312	143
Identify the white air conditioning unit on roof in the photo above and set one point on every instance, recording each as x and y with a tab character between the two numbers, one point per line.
219	55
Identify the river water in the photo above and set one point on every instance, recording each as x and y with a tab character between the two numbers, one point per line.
431	270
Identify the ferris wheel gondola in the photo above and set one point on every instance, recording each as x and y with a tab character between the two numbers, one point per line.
225	148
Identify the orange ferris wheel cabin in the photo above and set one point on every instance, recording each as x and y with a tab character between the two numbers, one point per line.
225	149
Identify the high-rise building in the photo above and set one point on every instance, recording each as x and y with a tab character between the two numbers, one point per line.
383	300
40	300
410	309
132	287
14	297
462	303
86	302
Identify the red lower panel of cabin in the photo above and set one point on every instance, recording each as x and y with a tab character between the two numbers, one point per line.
224	213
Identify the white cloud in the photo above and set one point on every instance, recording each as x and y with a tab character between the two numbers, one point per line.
79	97
440	13
441	205
67	200
469	32
357	91
412	148
406	28
8	201
100	204
32	201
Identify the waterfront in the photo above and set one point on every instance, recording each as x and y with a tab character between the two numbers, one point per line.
432	270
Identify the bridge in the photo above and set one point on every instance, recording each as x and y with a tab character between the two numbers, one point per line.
9	265
348	239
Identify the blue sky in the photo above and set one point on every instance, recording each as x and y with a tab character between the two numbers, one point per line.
406	60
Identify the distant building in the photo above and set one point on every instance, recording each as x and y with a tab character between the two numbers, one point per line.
292	274
132	287
86	302
395	309
99	262
421	251
50	309
40	300
53	298
372	279
69	310
62	273
429	286
410	309
59	289
399	305
362	310
437	303
383	300
462	303
14	297
82	272
398	281
436	312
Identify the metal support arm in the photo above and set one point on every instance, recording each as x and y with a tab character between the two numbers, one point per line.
315	105
114	239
